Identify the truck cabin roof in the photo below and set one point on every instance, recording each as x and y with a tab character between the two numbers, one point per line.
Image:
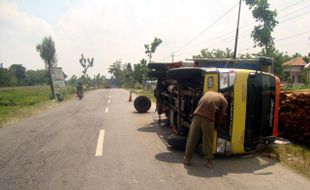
259	64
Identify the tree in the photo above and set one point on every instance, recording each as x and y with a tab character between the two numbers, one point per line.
215	53
86	65
127	69
7	78
267	22
117	73
48	54
19	71
306	58
73	80
140	71
278	59
151	48
100	81
38	77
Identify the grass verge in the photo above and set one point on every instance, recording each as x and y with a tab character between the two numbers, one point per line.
296	157
293	156
21	102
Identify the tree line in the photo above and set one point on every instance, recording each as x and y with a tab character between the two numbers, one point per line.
133	76
278	57
17	75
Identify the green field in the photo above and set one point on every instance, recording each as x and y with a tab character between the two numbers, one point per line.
22	102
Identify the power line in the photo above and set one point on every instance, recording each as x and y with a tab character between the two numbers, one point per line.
290	6
251	24
243	34
299	34
229	34
294	11
206	29
294	17
281	39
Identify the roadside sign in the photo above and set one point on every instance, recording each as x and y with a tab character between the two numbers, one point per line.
58	77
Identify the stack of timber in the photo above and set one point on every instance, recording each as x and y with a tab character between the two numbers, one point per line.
294	117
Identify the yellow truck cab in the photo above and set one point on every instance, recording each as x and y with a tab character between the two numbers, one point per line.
252	95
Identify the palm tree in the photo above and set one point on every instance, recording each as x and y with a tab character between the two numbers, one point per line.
48	54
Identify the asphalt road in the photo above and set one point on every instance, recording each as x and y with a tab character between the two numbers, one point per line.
100	142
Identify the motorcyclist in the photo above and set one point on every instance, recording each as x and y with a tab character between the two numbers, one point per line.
79	90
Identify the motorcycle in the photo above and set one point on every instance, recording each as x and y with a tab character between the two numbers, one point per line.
80	94
59	97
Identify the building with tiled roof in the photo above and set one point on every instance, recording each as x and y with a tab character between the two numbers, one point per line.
295	69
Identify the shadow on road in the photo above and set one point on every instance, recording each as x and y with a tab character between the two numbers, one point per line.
148	128
232	165
222	165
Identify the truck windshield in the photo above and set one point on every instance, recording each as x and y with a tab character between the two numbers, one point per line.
260	108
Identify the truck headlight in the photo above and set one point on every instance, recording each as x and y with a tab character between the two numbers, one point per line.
223	146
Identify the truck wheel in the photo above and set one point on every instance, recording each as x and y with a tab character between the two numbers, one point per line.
157	74
177	142
185	73
142	104
158	66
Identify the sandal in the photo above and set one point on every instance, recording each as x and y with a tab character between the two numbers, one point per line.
186	161
209	164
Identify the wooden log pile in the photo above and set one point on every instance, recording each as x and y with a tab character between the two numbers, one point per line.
294	117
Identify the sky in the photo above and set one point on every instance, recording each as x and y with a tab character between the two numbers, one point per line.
109	30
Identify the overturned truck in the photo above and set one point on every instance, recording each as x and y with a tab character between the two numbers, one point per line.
253	100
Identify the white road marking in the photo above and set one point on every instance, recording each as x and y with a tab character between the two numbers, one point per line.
100	143
106	110
109	101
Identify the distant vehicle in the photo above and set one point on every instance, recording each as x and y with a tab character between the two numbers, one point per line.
79	91
80	95
253	100
59	97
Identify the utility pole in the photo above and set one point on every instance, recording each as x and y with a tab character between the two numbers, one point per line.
237	31
172	56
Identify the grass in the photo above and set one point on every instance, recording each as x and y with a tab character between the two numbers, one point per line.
293	156
21	102
296	157
23	96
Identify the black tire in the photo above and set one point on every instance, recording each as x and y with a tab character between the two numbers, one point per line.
186	73
177	142
158	66
157	74
142	104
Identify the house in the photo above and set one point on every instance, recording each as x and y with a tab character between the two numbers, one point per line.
295	69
